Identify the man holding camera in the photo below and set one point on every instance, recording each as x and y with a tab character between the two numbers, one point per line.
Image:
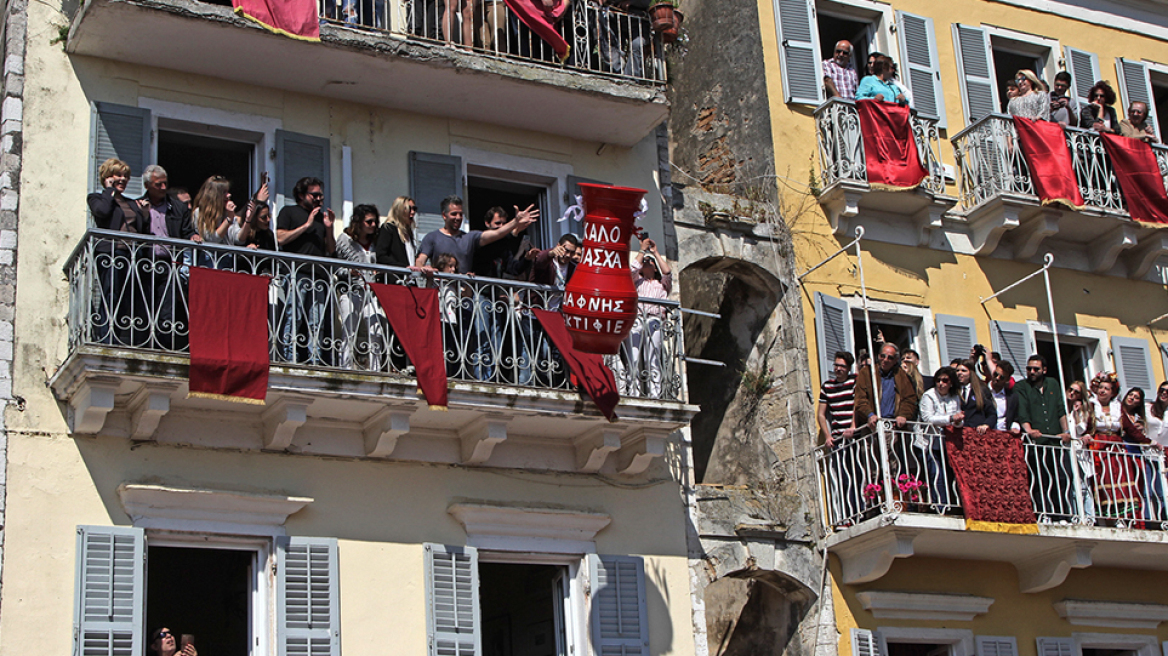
1063	108
307	228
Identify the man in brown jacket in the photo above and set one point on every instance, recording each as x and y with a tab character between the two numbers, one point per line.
896	397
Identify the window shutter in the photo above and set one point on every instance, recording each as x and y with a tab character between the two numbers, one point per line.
1012	340
1135	85
308	612
1133	363
1055	647
110	594
918	50
1164	361
300	156
799	51
833	330
432	178
997	646
864	643
1084	69
956	337
619	626
452	598
975	62
123	132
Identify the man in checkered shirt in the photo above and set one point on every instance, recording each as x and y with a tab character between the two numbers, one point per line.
839	76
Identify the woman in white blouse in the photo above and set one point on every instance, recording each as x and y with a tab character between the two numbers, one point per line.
1082	423
940	407
1116	486
1157	431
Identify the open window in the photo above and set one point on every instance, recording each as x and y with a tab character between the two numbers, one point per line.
1146	82
192	152
1082	352
988	58
839	326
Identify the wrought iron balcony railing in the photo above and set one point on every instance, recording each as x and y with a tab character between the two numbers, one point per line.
130	291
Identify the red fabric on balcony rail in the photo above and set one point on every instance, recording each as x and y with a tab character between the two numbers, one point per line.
543	21
1044	145
1139	178
295	18
229	336
890	152
589	368
413	313
991	475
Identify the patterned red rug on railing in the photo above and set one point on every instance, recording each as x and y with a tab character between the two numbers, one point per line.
589	368
229	336
1139	178
890	151
414	316
992	477
1044	145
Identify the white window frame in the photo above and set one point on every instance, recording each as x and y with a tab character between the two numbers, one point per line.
1098	343
882	37
1143	645
576	609
920	318
1054	49
960	641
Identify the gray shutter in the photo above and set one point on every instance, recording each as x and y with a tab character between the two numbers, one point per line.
432	178
918	51
1164	361
864	643
833	331
1135	85
123	132
1012	340
300	156
1133	363
1084	69
1055	647
975	66
307	597
452	600
799	51
997	646
956	337
619	625
110	594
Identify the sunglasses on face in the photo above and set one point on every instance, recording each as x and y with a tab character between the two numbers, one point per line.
883	356
1033	368
318	194
840	51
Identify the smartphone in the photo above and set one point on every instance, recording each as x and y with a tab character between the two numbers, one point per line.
187	639
263	178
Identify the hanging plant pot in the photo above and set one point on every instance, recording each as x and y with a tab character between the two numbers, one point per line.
670	34
661	15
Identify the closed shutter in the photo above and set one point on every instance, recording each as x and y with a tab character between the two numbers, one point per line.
300	156
308	612
1055	647
799	51
975	65
432	178
122	132
997	646
619	625
918	50
833	331
452	599
1164	361
1012	341
864	643
1084	69
110	593
956	337
1135	85
1133	363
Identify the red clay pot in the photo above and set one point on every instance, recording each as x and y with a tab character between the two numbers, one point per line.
661	15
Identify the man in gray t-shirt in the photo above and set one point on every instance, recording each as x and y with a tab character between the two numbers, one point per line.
450	238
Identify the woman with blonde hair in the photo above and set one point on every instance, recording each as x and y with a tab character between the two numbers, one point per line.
1033	100
395	244
214	210
914	374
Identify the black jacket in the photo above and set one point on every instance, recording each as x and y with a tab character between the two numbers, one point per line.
178	218
1089	112
390	248
109	214
988	415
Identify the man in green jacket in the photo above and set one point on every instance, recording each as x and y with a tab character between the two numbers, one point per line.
1042	413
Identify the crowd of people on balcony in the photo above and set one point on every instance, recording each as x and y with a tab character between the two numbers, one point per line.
1115	433
881	81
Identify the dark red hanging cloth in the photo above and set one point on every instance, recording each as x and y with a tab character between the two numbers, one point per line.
890	152
589	368
413	314
1139	178
229	336
1044	145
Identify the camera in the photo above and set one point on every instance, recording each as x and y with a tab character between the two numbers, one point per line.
979	350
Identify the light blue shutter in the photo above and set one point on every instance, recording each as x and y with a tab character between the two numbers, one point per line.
975	68
956	337
110	593
864	643
799	51
1084	69
1012	341
918	51
833	331
432	178
997	646
619	624
123	132
1055	647
1133	363
452	600
300	156
307	597
1136	86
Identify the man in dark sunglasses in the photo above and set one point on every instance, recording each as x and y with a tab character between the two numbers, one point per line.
307	228
839	74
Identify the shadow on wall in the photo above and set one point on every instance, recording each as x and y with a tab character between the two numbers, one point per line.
745	295
754	612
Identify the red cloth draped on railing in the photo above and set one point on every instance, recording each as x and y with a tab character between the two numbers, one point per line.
589	368
991	475
295	18
1139	178
413	313
543	21
1044	145
890	151
229	336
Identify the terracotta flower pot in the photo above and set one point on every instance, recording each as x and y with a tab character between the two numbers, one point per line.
661	15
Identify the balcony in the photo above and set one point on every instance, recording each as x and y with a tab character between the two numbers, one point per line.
1001	208
846	190
873	517
391	53
342	385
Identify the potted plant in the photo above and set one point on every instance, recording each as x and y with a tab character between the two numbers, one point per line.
661	15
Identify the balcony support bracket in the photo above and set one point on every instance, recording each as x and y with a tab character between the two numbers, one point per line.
1050	569
1037	229
147	408
639	449
92	403
990	223
282	420
480	438
1142	257
842	202
383	429
869	557
1103	252
930	218
592	449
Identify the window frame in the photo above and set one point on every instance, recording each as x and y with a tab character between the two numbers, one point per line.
1092	338
880	32
575	606
1029	43
960	641
919	318
1143	645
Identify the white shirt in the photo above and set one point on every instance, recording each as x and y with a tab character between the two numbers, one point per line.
939	410
1157	428
1106	419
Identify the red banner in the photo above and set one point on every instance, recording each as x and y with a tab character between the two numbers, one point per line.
413	313
542	21
1139	178
229	336
890	152
295	18
991	475
1044	145
589	368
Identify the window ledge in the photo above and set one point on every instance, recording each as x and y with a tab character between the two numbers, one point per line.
204	510
514	528
921	606
1111	614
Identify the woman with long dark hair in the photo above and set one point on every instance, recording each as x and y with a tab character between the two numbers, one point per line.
1116	472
